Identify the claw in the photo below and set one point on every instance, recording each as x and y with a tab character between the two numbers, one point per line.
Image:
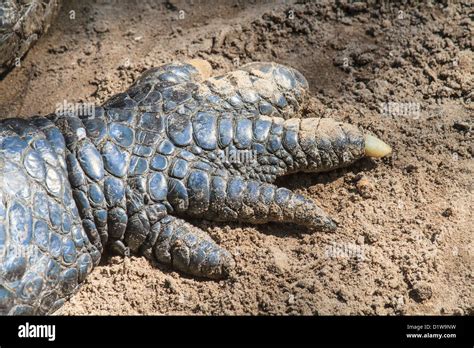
374	147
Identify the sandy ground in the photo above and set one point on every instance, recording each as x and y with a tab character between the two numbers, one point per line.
404	73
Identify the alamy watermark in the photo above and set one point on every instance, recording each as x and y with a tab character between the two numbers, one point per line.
397	109
75	109
230	156
18	251
345	251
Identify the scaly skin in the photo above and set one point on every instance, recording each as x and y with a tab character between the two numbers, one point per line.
123	177
21	24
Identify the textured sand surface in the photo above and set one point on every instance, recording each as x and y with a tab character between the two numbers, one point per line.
404	245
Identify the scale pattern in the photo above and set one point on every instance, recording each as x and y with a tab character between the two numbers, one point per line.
124	176
44	252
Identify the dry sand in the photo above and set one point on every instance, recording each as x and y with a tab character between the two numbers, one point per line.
403	73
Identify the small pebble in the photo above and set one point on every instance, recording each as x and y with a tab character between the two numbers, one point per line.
421	291
365	187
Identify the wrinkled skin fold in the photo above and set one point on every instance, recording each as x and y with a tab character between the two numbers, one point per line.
124	176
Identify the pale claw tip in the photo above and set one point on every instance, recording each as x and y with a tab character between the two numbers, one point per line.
374	147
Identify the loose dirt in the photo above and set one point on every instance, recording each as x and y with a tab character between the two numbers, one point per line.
402	72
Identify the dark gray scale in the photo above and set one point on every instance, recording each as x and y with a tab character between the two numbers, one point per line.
188	156
153	125
205	130
290	140
143	151
166	147
326	152
284	78
100	219
235	192
282	196
217	102
34	165
179	168
114	191
274	143
196	150
54	181
191	106
291	143
158	187
138	228
30	287
68	201
138	166
251	193
116	160
177	195
49	130
92	233
176	95
159	162
249	96
55	242
78	236
69	253
121	134
66	223
167	75
55	213
96	129
243	133
83	204
135	195
147	138
265	108
267	192
139	92
202	165
91	161
146	249
198	185
162	245
46	151
85	264
20	223
120	115
260	151
15	181
120	101
41	234
12	147
13	266
179	129
68	280
280	101
155	212
40	205
162	147
96	196
261	129
153	102
77	176
235	101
